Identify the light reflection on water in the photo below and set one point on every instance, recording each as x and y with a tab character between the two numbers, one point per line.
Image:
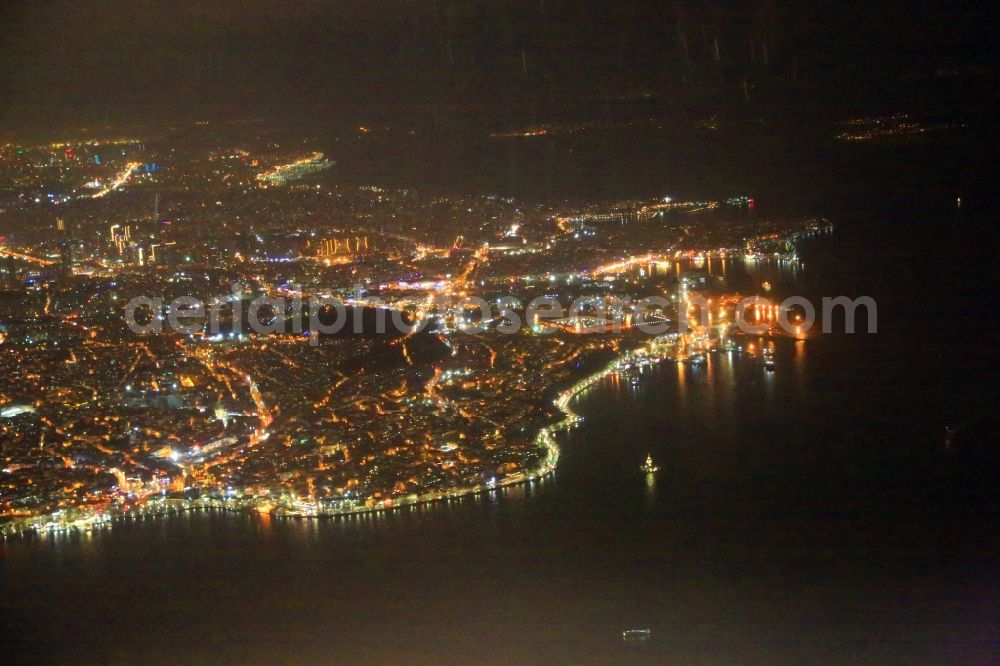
650	489
728	272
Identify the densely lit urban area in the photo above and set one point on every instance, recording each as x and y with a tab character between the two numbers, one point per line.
101	423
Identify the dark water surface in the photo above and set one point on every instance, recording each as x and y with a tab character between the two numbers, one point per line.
811	515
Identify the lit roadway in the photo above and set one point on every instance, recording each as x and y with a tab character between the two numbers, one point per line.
278	171
7	252
121	180
263	414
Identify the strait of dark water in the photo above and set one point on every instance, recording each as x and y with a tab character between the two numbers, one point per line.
811	515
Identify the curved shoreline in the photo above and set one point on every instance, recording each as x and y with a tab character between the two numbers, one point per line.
45	525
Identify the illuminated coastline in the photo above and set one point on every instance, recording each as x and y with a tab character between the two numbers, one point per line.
83	521
332	440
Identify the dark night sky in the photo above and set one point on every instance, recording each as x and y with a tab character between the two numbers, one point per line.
114	59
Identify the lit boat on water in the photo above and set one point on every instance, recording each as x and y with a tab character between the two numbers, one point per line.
768	359
649	467
636	636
